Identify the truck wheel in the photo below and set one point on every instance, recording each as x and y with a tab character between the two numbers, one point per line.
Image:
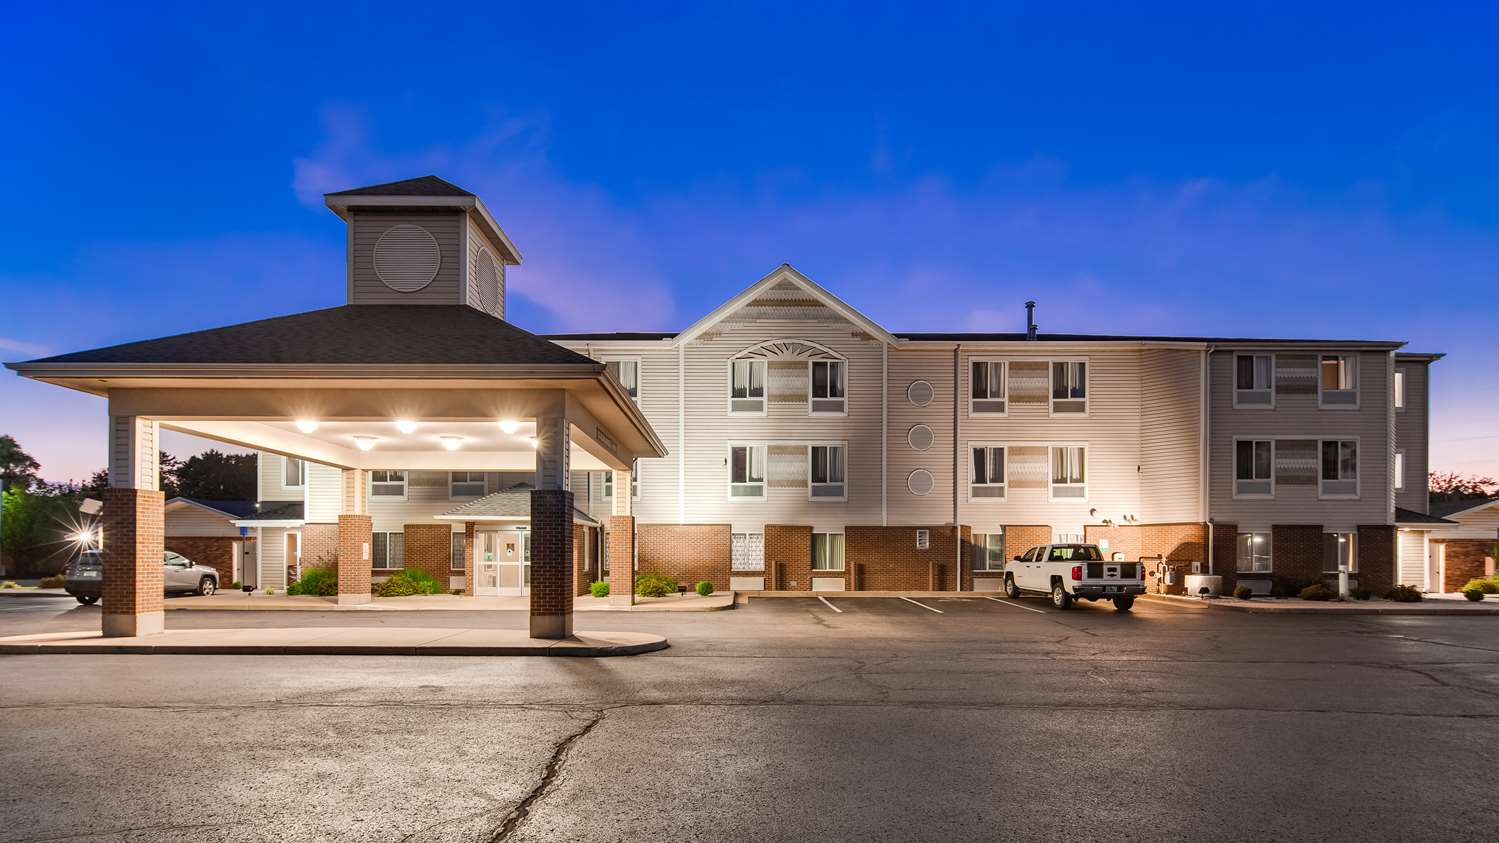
1011	589
1124	604
1059	597
86	599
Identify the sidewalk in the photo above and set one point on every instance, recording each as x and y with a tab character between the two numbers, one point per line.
340	641
1432	605
260	602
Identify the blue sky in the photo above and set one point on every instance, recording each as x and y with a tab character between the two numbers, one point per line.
1274	171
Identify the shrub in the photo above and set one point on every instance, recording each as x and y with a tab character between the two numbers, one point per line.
655	585
322	582
395	586
1285	587
703	588
1404	594
1243	592
236	585
409	581
1317	591
10	584
599	589
1473	594
1360	593
270	592
1484	586
54	581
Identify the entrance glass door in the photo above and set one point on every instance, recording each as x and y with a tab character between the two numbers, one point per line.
502	563
486	564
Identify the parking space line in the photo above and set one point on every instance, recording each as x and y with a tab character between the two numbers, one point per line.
1016	605
922	605
829	605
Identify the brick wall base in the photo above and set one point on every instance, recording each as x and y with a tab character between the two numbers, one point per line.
1226	555
689	552
429	547
1180	545
134	527
886	558
1376	557
216	552
319	546
551	563
621	539
788	557
1466	559
355	539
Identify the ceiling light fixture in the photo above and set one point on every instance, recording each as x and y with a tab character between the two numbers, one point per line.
450	442
364	443
535	443
406	425
307	425
509	425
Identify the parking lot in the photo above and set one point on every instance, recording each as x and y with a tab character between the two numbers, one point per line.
835	717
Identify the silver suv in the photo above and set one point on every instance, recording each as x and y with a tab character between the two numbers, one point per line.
179	575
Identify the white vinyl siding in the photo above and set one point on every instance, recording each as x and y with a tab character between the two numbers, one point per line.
271	469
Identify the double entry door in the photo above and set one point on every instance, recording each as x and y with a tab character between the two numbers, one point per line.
502	563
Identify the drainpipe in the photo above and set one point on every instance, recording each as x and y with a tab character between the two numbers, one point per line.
1205	404
957	527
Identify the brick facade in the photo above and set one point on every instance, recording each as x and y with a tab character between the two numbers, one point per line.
1466	559
886	558
1176	544
134	528
788	557
1296	552
216	552
1376	557
355	540
468	558
688	552
551	563
1226	555
319	546
429	547
621	539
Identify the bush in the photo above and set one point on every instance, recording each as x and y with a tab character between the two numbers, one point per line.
655	585
1473	594
1360	593
409	581
1484	586
1317	591
1404	594
1243	592
599	589
703	588
10	584
54	581
1284	587
322	582
236	585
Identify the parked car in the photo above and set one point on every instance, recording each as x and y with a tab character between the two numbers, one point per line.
85	580
1070	572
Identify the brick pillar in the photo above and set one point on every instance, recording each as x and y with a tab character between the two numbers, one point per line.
1226	555
468	559
1376	557
551	563
133	525
621	561
355	535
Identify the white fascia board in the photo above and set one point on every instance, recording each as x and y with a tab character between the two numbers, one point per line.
785	272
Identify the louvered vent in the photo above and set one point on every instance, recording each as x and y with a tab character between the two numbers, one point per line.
407	258
919	437
920	393
920	482
486	275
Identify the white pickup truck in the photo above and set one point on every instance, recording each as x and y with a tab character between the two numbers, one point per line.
1069	572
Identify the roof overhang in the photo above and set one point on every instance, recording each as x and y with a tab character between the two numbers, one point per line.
269	522
185	502
785	272
1417	357
470	205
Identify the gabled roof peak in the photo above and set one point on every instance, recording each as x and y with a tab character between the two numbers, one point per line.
786	273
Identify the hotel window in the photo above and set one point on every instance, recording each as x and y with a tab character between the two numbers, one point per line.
627	372
987	480
1339	468
465	484
1254	468
388	550
747	387
1337	381
1254	553
987	387
1399	470
828	467
747	552
829	388
1068	472
746	471
1069	387
455	561
634	481
988	552
388	484
1254	380
827	551
1399	390
1340	549
294	472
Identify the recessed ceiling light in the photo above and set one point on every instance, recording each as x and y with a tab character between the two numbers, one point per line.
450	442
406	425
364	443
509	425
307	425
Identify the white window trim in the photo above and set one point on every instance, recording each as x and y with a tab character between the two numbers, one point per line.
1358	468
1051	385
810	484
1358	380
456	497
405	485
461	562
301	473
1052	487
607	484
972	446
729	387
1004	362
1398	387
1003	554
388	534
639	371
842	563
729	473
1397	468
1235	475
1270	389
1269	537
827	359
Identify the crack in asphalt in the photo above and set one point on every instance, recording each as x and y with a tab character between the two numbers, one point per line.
553	768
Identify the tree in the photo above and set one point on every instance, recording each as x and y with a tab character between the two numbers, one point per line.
17	468
216	476
1451	486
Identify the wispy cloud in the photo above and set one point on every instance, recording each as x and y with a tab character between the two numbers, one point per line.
22	347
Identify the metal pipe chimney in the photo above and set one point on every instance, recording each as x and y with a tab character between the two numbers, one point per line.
1030	320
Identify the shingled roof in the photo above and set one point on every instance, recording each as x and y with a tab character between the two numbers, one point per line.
420	186
352	334
511	503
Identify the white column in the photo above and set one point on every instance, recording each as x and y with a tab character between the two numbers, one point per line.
623	500
134	461
553	454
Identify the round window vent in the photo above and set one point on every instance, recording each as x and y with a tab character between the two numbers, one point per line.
919	437
488	280
920	482
920	393
406	258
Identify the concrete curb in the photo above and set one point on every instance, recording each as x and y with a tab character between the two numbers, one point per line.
34	592
1267	606
592	645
